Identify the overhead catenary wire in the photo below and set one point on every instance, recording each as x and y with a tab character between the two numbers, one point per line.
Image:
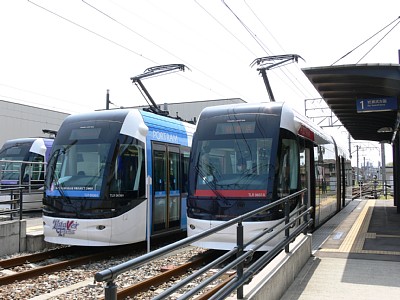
263	46
133	51
225	28
165	50
136	52
305	90
351	51
168	49
252	34
25	101
93	32
380	40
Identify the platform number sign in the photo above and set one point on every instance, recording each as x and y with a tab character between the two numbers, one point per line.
376	104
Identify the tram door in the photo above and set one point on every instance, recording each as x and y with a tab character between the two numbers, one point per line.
305	172
166	210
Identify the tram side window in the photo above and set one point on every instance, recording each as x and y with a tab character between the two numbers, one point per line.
10	170
288	167
34	171
129	170
325	169
174	171
160	171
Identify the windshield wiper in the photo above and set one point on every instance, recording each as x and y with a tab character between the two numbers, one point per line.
222	201
61	189
53	159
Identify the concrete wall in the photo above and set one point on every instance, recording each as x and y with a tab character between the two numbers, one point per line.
273	281
12	237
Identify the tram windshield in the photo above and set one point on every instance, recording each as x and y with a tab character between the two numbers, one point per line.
235	165
234	156
83	167
15	151
78	167
238	160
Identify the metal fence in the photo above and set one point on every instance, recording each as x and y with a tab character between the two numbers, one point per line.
300	217
11	202
19	178
374	189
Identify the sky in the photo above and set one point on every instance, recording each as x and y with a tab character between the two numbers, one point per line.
65	54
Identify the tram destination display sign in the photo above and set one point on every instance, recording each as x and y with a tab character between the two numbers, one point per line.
376	104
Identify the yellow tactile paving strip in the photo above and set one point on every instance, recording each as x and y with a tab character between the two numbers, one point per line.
354	240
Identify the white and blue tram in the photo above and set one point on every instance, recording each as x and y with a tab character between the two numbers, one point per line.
23	163
247	155
117	177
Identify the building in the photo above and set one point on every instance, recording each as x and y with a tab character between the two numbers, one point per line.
23	121
189	111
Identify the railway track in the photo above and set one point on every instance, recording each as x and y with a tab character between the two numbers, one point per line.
366	190
146	288
155	287
63	273
26	267
78	282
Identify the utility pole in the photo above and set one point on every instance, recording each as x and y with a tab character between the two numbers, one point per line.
108	100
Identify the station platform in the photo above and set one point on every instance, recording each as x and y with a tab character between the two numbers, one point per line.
34	224
355	255
22	236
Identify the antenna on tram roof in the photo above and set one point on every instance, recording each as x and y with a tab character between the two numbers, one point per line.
268	63
150	72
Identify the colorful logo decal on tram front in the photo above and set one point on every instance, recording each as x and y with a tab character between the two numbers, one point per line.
65	227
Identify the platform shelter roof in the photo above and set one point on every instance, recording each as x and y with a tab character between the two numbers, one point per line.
365	98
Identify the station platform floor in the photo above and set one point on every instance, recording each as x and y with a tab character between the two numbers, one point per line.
34	224
356	255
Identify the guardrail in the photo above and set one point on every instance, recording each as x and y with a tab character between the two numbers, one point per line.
13	197
15	202
299	215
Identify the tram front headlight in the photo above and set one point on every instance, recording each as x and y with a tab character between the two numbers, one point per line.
100	227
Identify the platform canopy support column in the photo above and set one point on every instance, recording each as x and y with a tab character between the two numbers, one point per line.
396	172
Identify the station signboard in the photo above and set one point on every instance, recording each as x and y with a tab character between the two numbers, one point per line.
376	104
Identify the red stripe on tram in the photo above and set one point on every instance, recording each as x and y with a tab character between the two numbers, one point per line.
232	193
